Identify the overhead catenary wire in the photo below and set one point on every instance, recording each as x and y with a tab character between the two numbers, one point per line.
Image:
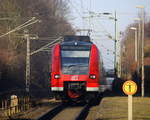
108	66
101	26
74	4
75	8
92	24
29	22
105	30
90	17
45	46
50	47
107	49
82	8
108	60
104	47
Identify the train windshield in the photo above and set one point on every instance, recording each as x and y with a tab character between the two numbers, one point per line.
75	62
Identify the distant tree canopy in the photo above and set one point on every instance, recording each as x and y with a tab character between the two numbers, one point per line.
53	15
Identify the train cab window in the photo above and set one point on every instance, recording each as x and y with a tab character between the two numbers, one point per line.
75	62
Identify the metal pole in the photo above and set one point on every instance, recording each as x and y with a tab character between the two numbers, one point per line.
119	57
139	39
136	45
27	37
120	60
143	52
115	67
142	49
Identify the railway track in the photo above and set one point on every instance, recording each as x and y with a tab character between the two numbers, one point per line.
53	112
84	112
73	112
68	112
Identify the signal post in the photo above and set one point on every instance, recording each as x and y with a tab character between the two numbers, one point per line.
129	88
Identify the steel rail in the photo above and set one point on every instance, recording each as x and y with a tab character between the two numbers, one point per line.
53	112
84	112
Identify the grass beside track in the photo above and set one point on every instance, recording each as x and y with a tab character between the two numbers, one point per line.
116	108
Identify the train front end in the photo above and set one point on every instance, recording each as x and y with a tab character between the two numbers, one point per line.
75	70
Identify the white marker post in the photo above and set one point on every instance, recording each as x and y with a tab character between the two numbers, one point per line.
130	107
129	88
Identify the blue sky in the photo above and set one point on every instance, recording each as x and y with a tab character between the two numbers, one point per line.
102	26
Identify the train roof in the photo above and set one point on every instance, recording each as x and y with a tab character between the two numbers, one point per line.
69	38
76	43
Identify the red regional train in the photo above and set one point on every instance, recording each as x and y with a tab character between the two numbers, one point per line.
77	71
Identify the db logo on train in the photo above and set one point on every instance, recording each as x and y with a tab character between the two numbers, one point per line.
129	87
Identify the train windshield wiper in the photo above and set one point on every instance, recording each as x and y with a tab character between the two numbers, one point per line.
69	66
76	65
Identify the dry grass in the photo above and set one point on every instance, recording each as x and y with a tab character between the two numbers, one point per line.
116	108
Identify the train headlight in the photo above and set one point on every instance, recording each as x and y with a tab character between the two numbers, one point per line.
92	76
57	76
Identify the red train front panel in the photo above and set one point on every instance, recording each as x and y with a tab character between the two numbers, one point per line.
75	69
